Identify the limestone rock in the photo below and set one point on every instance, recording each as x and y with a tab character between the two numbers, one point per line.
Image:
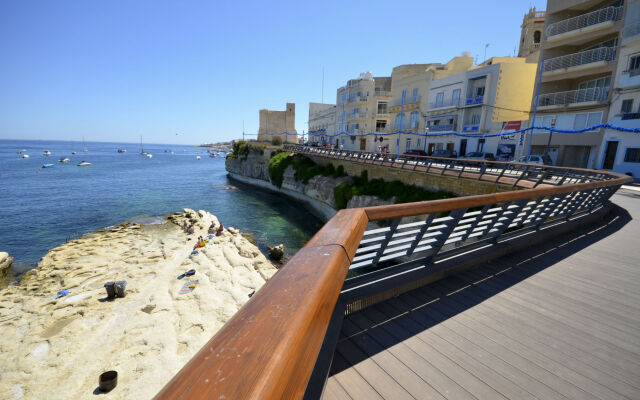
5	263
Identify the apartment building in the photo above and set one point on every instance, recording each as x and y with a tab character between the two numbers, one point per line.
580	51
621	151
489	98
322	122
278	121
410	86
362	108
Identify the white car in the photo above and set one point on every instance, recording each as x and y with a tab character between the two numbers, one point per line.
535	159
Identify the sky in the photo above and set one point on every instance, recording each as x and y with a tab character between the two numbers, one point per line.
189	72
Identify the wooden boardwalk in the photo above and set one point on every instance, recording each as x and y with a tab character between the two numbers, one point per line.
560	321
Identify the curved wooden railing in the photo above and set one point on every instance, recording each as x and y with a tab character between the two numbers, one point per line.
268	350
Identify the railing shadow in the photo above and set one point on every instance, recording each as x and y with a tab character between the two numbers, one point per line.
377	328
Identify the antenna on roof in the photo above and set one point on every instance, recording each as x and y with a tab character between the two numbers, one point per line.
322	98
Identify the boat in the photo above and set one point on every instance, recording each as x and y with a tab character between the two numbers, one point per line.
84	146
25	156
122	150
64	159
142	152
83	164
46	153
149	155
197	157
48	165
72	150
21	151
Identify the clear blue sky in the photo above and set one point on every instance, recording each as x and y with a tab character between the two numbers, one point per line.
114	70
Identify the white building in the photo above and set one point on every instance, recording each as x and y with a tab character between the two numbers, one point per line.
322	122
620	150
486	99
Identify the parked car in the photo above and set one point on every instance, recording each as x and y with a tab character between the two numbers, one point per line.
445	153
536	159
480	155
416	153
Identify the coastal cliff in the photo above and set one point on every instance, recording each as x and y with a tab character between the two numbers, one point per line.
66	341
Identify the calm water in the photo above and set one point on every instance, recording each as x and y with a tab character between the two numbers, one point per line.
40	208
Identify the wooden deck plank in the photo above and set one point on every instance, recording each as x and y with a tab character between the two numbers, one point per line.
549	348
351	381
561	320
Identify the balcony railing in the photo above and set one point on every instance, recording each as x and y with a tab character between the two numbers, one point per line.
407	100
382	93
584	20
581	58
445	103
356	116
358	99
573	96
474	100
442	128
471	128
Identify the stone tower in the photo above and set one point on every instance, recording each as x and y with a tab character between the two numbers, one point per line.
532	30
276	121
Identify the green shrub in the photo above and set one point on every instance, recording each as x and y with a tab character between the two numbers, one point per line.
276	141
343	193
277	164
241	149
339	172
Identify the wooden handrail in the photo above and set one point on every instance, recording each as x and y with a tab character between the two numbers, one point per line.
269	348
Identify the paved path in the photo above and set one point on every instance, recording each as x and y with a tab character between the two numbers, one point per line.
560	321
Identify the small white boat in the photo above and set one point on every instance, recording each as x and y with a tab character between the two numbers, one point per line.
48	165
83	164
122	150
25	156
197	157
64	159
73	152
149	155
46	153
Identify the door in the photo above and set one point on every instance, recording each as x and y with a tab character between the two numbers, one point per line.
610	155
363	144
337	143
463	147
432	147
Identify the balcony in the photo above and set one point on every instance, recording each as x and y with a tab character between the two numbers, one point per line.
382	93
358	99
444	104
628	116
356	116
471	128
581	60
572	97
442	128
474	100
407	101
585	22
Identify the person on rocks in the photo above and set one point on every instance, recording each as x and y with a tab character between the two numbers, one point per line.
220	229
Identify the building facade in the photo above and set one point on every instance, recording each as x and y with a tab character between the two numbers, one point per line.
487	99
620	151
580	51
322	123
531	34
361	108
275	121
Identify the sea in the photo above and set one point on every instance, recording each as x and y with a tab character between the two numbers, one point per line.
41	208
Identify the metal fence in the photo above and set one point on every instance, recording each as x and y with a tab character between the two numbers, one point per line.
573	96
581	58
584	20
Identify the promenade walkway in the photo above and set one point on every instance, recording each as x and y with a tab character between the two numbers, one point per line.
558	321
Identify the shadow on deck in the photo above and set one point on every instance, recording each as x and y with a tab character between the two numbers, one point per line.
555	321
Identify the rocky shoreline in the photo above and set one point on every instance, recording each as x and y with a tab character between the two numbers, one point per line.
65	343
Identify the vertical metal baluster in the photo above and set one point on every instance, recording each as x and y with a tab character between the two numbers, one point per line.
549	208
504	168
450	225
524	171
505	223
385	242
475	223
576	202
482	169
420	234
462	170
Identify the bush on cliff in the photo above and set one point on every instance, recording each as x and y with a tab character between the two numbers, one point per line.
276	141
241	149
277	164
385	190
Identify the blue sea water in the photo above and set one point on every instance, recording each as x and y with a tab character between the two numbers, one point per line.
41	208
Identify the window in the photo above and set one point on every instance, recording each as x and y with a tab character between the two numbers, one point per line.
585	120
479	91
456	97
475	119
381	125
627	106
414	120
414	97
418	143
536	36
407	145
580	121
404	96
480	145
594	118
632	155
399	119
439	98
382	107
634	65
